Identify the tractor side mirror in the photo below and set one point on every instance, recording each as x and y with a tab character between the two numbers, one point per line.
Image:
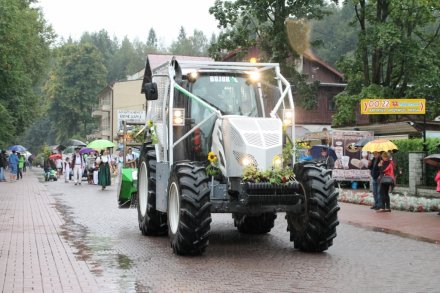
150	90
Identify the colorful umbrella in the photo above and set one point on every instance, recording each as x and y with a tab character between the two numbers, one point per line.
100	144
17	148
433	160
55	156
379	145
86	151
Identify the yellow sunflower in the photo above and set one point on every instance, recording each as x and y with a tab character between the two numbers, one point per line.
212	157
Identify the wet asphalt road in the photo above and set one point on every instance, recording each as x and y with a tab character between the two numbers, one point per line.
123	260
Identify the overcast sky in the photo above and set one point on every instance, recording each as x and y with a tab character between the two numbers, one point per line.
132	18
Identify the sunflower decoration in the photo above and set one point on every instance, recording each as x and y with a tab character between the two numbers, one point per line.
212	157
152	130
212	169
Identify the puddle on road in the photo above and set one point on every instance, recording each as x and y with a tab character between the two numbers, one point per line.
103	261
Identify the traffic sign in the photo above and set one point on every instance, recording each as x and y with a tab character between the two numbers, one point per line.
393	106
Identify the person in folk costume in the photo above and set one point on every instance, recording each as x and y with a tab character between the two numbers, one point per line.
66	170
77	165
105	169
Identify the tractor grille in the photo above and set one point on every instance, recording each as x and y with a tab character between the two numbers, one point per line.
259	132
267	193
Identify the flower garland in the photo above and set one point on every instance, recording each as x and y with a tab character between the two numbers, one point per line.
276	175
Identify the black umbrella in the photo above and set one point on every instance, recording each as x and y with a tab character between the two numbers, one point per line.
433	160
73	142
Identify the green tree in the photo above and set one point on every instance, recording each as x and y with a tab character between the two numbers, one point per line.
108	48
24	53
334	35
152	42
79	75
396	55
261	24
128	59
182	46
199	43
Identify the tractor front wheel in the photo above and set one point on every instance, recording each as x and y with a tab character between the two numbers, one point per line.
189	209
314	229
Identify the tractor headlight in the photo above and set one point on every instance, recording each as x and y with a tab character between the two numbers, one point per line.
246	161
253	76
288	117
192	76
178	116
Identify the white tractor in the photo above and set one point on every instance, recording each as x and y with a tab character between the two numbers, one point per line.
240	114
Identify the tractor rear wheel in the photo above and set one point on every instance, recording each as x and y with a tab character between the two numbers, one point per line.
314	229
151	221
189	209
254	224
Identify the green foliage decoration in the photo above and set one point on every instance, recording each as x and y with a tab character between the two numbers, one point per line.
276	175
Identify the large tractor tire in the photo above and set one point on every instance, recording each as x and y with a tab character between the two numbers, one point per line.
251	224
189	209
314	229
151	221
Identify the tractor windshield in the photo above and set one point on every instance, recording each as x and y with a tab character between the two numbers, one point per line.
231	94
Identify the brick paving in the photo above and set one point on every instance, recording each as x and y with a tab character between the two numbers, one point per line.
420	226
57	237
33	255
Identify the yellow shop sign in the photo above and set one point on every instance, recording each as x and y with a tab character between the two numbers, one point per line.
393	106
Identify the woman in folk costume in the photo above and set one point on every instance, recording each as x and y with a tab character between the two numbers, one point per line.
105	166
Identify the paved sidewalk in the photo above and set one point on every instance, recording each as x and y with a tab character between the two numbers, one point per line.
420	226
33	255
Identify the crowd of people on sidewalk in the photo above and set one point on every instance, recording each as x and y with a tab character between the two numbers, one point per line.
97	167
15	163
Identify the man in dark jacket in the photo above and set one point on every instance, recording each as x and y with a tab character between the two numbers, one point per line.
375	172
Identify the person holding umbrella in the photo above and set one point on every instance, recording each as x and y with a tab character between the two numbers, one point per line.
373	165
105	164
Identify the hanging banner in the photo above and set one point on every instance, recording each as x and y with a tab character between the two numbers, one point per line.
393	106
